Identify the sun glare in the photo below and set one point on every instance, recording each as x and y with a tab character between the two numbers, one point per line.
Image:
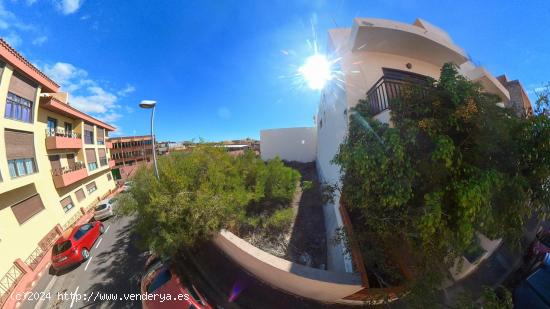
316	71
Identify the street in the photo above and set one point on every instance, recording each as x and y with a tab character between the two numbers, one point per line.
115	267
113	270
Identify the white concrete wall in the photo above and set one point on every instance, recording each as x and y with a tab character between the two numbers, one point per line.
317	284
291	144
332	128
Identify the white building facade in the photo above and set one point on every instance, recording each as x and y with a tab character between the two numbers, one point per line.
372	53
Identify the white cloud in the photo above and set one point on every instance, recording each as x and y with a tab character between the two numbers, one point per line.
84	17
124	92
96	100
40	40
68	6
224	112
88	95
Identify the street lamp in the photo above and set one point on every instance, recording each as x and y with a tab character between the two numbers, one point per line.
149	104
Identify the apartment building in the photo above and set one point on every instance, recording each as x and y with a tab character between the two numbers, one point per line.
375	57
130	150
53	164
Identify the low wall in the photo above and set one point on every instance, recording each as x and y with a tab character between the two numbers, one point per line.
313	283
291	144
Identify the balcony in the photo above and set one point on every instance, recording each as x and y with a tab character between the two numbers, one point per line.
68	175
111	163
58	139
385	90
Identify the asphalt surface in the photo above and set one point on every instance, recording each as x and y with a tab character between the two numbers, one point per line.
114	269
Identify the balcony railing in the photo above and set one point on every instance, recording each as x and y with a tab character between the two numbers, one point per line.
67	169
8	283
61	133
59	139
385	90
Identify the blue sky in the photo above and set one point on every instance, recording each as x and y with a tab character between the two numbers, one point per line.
222	69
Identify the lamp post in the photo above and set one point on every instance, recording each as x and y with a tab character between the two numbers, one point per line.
149	104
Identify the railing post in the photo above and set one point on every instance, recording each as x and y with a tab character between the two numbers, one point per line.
25	269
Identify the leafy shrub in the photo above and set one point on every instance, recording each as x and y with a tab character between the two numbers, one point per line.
201	192
280	219
280	184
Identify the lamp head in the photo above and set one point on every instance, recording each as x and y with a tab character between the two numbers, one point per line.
147	104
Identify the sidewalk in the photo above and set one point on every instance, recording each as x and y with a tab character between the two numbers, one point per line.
494	270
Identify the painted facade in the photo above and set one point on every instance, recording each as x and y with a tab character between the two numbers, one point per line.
47	180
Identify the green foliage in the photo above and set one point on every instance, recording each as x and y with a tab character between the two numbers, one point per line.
280	219
307	185
453	164
202	191
281	183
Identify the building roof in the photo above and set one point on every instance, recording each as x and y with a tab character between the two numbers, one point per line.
14	58
53	104
129	138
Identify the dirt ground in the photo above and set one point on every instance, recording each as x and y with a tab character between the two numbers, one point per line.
304	242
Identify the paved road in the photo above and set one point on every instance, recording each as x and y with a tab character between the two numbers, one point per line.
114	267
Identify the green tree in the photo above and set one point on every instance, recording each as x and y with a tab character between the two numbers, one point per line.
452	164
201	192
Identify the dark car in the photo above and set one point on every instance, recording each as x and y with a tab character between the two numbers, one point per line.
534	291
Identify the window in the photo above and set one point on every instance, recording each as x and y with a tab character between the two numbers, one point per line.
109	177
82	231
21	167
52	126
68	129
67	203
62	247
162	277
18	108
92	166
88	133
91	187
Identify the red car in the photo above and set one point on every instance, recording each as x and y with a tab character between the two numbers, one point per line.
165	290
74	245
541	246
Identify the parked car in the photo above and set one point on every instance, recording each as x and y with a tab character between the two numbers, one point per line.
104	209
534	291
73	247
160	279
541	246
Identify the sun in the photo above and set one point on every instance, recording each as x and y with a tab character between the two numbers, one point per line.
316	71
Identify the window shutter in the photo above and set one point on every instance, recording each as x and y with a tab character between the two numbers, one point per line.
23	87
26	209
19	145
88	127
90	185
101	152
100	134
66	201
80	196
90	155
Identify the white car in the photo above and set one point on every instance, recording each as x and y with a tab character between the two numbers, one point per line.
104	209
